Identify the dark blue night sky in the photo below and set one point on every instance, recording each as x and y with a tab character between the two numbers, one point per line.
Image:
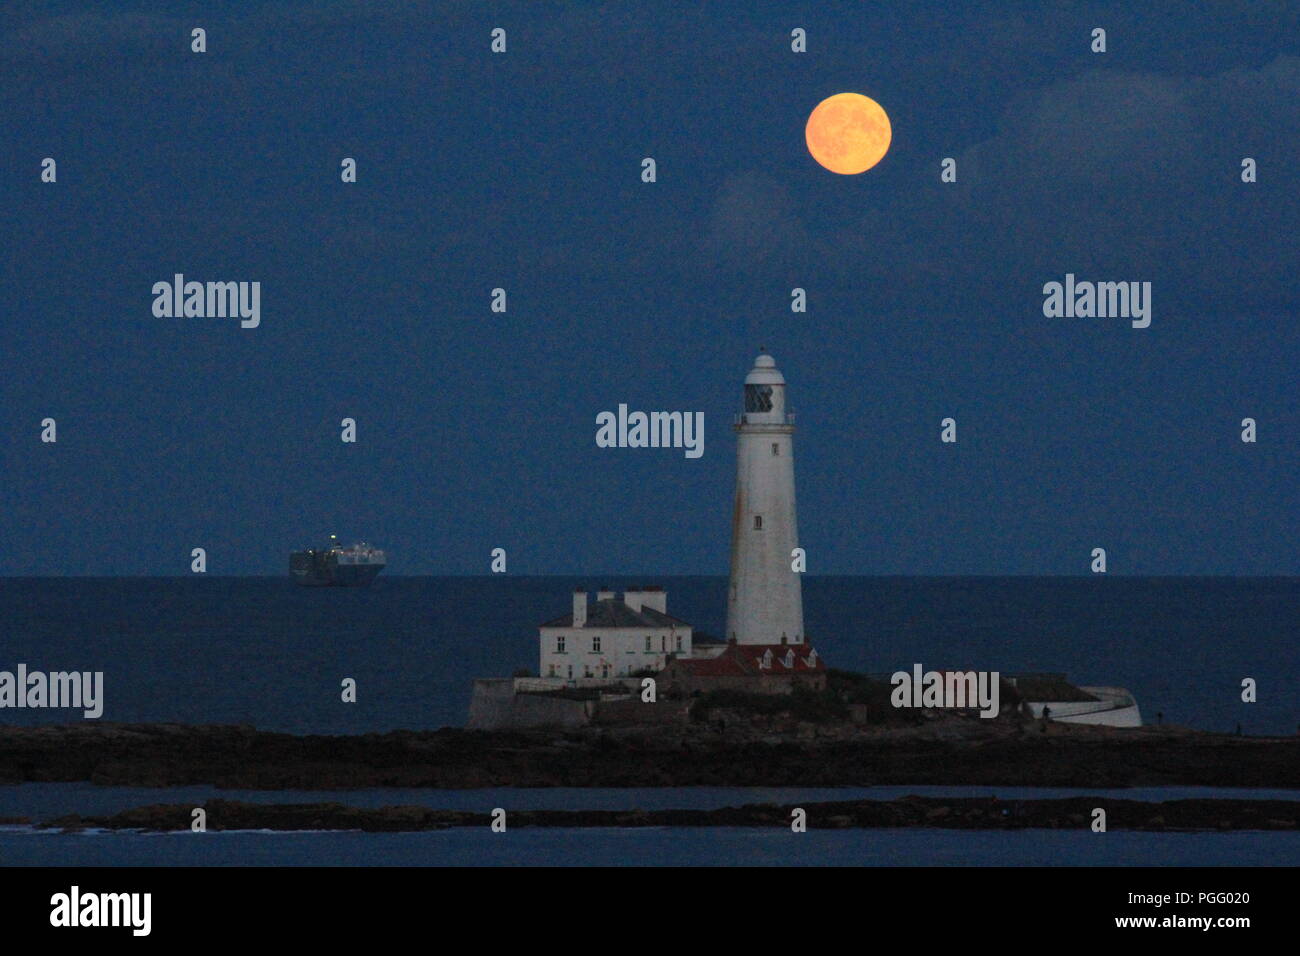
477	430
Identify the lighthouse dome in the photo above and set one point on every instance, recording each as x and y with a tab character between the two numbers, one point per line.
764	372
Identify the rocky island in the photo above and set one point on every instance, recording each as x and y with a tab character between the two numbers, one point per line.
729	748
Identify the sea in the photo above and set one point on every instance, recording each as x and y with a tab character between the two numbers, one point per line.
260	651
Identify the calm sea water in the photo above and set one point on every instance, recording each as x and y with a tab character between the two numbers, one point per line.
668	846
262	651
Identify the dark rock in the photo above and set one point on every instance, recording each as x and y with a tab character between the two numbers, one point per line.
936	752
950	813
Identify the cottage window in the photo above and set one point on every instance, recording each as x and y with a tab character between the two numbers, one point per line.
559	644
595	644
649	648
679	643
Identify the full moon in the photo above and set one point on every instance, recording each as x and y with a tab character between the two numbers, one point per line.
848	133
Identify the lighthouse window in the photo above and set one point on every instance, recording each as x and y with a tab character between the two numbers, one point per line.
776	449
595	645
758	398
758	522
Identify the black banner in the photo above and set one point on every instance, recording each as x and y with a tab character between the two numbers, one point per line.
334	905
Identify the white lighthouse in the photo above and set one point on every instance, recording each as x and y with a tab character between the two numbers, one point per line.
764	603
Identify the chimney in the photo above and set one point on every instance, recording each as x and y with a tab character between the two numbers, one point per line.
604	594
579	607
634	599
656	598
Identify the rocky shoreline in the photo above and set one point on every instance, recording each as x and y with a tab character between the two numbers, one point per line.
971	813
950	752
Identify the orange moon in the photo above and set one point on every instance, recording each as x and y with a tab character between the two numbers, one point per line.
848	133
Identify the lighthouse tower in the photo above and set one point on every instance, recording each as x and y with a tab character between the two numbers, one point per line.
764	603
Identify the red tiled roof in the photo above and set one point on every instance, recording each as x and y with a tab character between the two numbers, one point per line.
745	659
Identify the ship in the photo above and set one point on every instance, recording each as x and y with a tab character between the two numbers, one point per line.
337	566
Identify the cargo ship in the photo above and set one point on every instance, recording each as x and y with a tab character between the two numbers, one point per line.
337	566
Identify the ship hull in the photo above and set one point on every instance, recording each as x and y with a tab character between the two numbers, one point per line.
316	570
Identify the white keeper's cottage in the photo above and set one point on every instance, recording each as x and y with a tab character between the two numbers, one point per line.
609	637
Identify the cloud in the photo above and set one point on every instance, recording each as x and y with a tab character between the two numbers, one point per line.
1103	128
753	220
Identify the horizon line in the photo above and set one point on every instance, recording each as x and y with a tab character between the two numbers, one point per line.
626	575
